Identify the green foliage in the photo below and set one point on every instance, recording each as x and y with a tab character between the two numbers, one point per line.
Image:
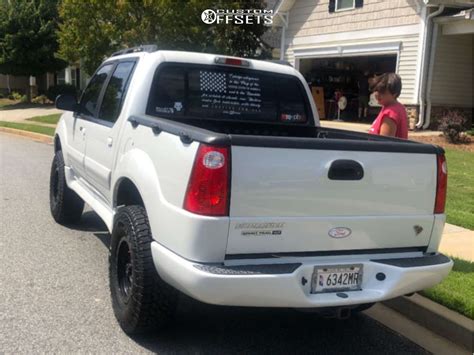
29	127
92	30
28	39
455	292
41	99
460	198
15	96
50	119
452	124
54	91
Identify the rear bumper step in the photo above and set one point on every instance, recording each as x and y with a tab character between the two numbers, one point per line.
289	284
426	260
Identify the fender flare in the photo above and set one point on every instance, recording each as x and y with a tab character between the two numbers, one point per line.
136	166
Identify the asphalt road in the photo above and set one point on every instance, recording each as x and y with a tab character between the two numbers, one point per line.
54	293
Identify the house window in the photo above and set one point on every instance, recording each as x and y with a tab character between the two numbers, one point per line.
342	5
61	77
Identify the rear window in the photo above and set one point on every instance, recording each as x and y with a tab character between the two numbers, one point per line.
215	92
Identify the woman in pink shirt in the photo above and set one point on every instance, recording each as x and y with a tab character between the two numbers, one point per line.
392	119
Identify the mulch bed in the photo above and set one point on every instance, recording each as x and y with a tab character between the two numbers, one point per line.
441	141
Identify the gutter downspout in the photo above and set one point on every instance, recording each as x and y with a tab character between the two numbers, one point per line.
284	19
434	40
422	95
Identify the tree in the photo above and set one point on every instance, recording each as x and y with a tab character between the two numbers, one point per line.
91	30
28	38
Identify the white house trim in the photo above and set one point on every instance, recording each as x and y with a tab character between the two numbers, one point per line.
458	27
419	59
396	31
349	50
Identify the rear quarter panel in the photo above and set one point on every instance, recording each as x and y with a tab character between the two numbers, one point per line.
160	165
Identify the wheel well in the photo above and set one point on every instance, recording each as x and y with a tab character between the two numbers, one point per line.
57	144
127	194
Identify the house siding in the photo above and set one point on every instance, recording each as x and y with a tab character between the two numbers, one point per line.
452	71
17	83
311	17
312	26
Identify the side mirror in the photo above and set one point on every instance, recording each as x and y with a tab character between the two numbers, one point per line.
66	102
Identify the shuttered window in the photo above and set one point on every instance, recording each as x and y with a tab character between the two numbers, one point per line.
343	5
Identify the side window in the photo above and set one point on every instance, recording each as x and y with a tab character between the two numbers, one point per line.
115	92
168	93
291	100
91	94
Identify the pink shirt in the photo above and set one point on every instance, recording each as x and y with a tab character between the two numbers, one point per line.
395	112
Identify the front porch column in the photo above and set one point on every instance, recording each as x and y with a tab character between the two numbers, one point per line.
68	75
33	92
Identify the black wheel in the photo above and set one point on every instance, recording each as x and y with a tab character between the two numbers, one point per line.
141	300
66	206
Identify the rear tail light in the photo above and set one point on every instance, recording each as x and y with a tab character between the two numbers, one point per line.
441	185
209	185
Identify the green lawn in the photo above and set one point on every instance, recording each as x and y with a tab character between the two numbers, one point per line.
29	127
53	119
460	200
457	290
7	102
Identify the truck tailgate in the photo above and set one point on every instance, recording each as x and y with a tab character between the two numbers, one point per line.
287	200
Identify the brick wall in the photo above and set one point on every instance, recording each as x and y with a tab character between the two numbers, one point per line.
412	115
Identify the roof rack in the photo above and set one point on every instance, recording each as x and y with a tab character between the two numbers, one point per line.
143	48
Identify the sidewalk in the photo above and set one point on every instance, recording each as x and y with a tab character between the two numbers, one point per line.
19	115
458	242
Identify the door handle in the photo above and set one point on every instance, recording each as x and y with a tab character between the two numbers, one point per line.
109	141
82	130
345	169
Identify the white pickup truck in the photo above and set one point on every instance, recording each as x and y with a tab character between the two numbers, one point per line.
214	178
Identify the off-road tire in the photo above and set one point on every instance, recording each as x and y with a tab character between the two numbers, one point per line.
141	300
65	205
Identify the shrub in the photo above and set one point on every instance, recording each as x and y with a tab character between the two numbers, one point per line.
1	96
41	99
54	91
453	124
24	98
15	96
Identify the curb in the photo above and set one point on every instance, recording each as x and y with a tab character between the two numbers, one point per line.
32	135
435	317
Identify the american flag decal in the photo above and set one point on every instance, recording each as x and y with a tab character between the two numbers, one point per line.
212	81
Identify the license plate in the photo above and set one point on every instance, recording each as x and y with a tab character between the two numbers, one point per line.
336	278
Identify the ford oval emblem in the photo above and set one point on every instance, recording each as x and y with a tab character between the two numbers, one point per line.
339	232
